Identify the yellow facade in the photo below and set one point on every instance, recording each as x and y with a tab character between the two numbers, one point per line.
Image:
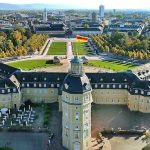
76	120
110	96
37	95
10	100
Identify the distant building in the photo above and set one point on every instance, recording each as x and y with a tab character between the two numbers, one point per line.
53	30
86	31
125	28
94	17
101	11
45	15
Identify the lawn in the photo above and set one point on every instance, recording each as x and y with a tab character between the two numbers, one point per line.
81	48
112	65
32	64
57	48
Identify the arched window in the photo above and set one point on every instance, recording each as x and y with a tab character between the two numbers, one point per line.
76	146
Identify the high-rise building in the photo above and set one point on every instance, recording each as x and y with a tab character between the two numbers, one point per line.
101	11
45	15
76	108
94	17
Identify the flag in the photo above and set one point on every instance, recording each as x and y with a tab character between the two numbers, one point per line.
80	38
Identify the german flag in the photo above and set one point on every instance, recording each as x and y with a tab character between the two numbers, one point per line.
81	38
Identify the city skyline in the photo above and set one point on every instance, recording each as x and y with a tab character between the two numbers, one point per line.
109	4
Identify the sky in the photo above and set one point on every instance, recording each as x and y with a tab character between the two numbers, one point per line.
93	4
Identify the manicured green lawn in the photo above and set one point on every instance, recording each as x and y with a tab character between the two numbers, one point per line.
32	64
81	48
57	48
112	65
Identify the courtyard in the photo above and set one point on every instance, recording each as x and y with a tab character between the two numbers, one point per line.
103	116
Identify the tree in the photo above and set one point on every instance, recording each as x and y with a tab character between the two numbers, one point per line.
147	139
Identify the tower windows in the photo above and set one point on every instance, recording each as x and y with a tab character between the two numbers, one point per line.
76	135
77	115
76	99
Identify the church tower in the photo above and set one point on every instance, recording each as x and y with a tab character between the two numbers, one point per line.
76	108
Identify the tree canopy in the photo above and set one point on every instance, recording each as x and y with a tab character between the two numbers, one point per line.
19	42
123	44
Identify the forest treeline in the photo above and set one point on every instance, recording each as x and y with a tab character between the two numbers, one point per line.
20	42
124	45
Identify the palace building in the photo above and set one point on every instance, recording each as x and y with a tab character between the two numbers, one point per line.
74	91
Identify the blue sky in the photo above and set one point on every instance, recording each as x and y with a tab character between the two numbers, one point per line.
109	4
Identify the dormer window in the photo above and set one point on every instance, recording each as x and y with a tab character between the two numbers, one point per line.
44	79
66	86
113	79
52	85
125	79
142	92
23	79
148	93
96	85
58	79
35	79
101	79
107	85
